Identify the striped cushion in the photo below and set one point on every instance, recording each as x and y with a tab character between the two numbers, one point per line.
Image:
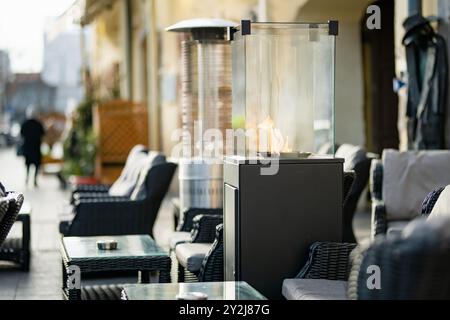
2	190
15	201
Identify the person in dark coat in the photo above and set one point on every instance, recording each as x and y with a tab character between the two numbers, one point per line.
32	132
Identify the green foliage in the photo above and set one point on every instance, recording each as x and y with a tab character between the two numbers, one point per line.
80	144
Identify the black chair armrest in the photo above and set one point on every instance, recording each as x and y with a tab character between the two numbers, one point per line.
329	261
378	219
90	188
349	181
204	230
97	196
95	217
212	266
187	217
376	180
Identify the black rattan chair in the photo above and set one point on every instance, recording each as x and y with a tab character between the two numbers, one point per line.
414	266
122	216
413	263
4	206
361	167
212	267
381	222
16	250
15	201
206	252
184	229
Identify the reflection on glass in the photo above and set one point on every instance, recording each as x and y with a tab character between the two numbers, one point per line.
283	88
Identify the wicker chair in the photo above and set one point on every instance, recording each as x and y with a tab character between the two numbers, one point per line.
121	215
358	161
202	261
185	227
12	249
382	223
4	206
15	201
414	264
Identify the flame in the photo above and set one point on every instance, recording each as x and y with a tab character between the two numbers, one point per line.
286	147
275	143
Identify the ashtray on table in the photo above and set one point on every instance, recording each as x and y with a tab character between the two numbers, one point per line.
107	245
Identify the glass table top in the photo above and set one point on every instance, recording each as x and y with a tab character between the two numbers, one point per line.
127	246
214	290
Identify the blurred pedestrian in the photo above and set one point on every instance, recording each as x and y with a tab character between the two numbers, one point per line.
32	132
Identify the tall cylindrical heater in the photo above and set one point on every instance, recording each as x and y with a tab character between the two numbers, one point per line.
206	110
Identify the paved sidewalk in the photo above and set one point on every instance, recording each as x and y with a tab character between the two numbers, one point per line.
43	282
44	279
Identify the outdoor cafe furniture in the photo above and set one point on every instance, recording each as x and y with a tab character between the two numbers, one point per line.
400	181
414	263
184	231
201	262
126	182
123	215
17	249
194	249
137	253
10	205
170	291
358	160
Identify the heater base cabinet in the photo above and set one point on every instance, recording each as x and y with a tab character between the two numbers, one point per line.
271	220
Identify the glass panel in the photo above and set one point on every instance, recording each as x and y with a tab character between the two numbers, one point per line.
283	88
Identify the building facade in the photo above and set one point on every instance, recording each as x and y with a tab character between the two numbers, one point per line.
28	90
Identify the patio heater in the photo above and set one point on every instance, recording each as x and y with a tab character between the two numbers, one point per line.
283	186
206	104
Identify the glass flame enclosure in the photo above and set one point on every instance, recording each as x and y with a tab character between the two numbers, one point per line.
283	87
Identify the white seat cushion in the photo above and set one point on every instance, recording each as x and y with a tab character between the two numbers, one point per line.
124	185
179	237
351	154
442	205
408	177
314	289
191	255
